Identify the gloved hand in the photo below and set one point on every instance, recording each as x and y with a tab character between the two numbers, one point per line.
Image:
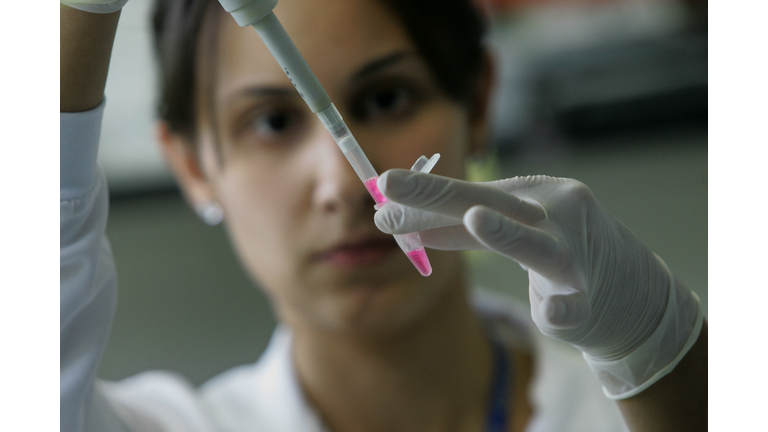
592	281
96	6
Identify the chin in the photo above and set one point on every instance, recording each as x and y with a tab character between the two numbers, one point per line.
387	309
376	303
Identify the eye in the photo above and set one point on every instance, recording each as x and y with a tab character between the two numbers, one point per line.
272	123
386	102
263	122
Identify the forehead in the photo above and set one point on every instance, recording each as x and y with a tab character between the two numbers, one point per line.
336	37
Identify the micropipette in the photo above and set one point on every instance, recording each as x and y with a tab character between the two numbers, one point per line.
258	13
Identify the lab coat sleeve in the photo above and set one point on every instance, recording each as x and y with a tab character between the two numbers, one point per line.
88	287
149	402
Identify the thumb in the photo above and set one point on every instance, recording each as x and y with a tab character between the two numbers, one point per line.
556	308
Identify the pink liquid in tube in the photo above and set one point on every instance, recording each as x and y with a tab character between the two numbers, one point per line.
419	259
373	189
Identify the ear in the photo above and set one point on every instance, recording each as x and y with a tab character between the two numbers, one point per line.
182	159
480	117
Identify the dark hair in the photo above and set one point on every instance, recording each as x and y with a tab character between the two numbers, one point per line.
447	33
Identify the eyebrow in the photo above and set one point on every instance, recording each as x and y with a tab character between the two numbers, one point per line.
382	63
265	91
367	70
249	93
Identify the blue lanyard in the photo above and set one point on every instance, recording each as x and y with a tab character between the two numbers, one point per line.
498	413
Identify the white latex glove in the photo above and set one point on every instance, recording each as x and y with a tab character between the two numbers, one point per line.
96	6
592	281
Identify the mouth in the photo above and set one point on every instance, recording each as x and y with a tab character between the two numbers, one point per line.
366	252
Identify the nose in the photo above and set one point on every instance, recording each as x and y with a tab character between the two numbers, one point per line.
337	186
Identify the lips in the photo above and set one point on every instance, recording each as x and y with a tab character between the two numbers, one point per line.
359	253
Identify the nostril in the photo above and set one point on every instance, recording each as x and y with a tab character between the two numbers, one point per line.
336	190
330	206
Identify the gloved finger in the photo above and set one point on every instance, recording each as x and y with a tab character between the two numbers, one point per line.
555	305
532	247
454	237
452	197
393	218
522	183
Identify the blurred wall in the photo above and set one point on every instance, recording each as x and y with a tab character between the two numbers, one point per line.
128	151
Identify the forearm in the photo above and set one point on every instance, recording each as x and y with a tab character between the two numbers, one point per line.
677	402
85	48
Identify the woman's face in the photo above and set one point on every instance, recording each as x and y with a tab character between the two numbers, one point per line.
300	219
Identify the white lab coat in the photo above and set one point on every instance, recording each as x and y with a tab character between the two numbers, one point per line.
264	396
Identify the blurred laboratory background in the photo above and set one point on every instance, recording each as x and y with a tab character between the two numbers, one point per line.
610	92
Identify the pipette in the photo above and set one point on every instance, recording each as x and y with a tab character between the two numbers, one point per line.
258	13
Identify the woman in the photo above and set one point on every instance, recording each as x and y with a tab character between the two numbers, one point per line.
365	342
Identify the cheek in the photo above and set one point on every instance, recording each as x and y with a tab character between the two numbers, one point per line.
260	204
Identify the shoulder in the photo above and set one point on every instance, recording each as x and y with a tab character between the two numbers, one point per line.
156	401
564	393
264	396
240	395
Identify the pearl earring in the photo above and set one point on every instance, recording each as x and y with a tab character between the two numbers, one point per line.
210	212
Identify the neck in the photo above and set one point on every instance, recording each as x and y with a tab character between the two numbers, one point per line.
432	375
